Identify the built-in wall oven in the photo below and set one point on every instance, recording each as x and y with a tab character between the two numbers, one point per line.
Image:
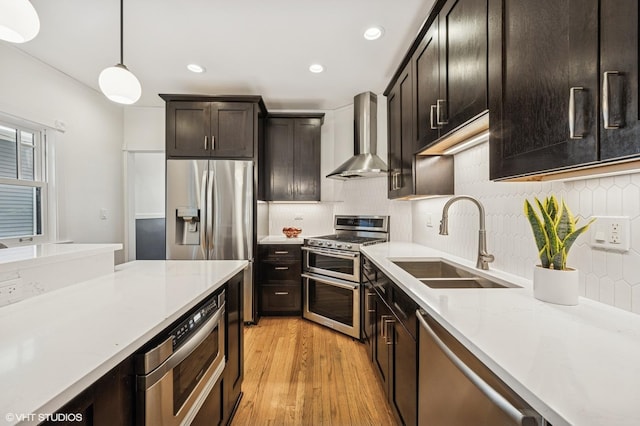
331	271
176	373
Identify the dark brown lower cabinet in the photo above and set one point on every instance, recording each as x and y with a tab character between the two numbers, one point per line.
109	401
280	287
390	330
212	411
234	368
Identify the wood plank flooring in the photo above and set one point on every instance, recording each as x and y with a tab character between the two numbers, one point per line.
299	373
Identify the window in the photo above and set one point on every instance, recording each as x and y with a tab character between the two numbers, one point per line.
22	183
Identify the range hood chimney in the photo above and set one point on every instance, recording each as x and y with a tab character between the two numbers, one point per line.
365	163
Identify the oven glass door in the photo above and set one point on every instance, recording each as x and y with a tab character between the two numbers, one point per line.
334	303
190	371
344	265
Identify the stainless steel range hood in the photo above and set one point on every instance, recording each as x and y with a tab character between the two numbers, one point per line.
365	163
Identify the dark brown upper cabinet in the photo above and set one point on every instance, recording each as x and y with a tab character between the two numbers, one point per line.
569	100
450	70
212	127
619	57
400	142
544	85
291	169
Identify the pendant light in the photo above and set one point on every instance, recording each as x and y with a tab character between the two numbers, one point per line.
19	21
117	82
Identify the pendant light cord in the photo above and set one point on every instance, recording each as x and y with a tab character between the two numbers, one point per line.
121	33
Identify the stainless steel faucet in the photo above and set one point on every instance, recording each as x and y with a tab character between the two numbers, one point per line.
484	258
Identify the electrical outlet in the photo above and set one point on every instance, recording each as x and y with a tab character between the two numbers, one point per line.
611	233
429	221
103	214
10	291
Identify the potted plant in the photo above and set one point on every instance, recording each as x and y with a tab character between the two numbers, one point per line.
554	230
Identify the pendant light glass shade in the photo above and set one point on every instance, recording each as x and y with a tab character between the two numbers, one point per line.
19	21
117	82
120	85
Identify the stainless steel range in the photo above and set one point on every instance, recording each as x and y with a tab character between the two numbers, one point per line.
331	271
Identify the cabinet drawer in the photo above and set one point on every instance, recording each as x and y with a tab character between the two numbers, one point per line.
281	298
280	251
277	272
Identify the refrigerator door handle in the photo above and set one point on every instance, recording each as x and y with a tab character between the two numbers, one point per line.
210	195
203	219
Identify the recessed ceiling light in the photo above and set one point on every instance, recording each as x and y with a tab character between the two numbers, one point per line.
316	68
196	68
373	33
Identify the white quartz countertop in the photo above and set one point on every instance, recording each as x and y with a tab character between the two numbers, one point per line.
281	239
24	256
56	345
577	365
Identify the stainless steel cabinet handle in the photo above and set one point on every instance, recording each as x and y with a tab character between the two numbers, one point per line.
440	122
368	305
280	252
281	268
213	142
281	293
572	113
606	100
489	392
386	324
205	142
383	326
432	112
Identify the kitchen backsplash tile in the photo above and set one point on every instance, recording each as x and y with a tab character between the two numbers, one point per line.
609	277
313	219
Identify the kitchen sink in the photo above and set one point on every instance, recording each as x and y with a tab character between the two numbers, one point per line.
438	274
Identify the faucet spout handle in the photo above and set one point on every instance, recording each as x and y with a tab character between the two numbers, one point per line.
444	226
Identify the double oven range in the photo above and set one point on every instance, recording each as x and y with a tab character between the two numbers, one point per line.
331	271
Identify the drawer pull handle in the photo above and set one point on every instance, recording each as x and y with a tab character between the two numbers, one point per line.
572	113
281	293
281	252
281	268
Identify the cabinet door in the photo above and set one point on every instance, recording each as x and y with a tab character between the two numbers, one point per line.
279	159
381	335
404	394
544	85
234	368
426	69
620	125
232	128
463	62
401	144
306	159
188	129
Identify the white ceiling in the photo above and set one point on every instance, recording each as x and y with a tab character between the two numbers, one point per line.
247	46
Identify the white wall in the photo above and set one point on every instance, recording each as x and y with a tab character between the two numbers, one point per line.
609	277
89	158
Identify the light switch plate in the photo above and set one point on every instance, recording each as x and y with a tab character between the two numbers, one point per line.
611	233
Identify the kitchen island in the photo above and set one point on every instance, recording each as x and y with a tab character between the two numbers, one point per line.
575	365
59	343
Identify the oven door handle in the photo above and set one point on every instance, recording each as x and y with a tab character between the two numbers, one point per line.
336	283
332	253
145	382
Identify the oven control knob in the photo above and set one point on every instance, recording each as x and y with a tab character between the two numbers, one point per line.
320	243
338	245
329	244
349	246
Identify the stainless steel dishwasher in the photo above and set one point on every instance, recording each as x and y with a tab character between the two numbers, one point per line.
456	388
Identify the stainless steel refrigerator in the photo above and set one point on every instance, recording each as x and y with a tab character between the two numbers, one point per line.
210	208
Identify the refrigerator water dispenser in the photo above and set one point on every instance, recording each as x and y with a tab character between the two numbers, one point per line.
187	226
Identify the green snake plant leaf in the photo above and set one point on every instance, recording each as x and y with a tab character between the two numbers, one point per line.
565	224
538	233
571	238
550	231
551	207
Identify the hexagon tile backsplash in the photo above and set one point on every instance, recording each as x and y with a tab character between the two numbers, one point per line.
609	277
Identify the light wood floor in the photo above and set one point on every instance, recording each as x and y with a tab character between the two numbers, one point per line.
300	373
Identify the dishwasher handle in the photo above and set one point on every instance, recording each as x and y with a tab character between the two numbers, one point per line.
495	397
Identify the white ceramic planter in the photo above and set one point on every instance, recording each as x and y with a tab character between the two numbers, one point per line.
559	287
